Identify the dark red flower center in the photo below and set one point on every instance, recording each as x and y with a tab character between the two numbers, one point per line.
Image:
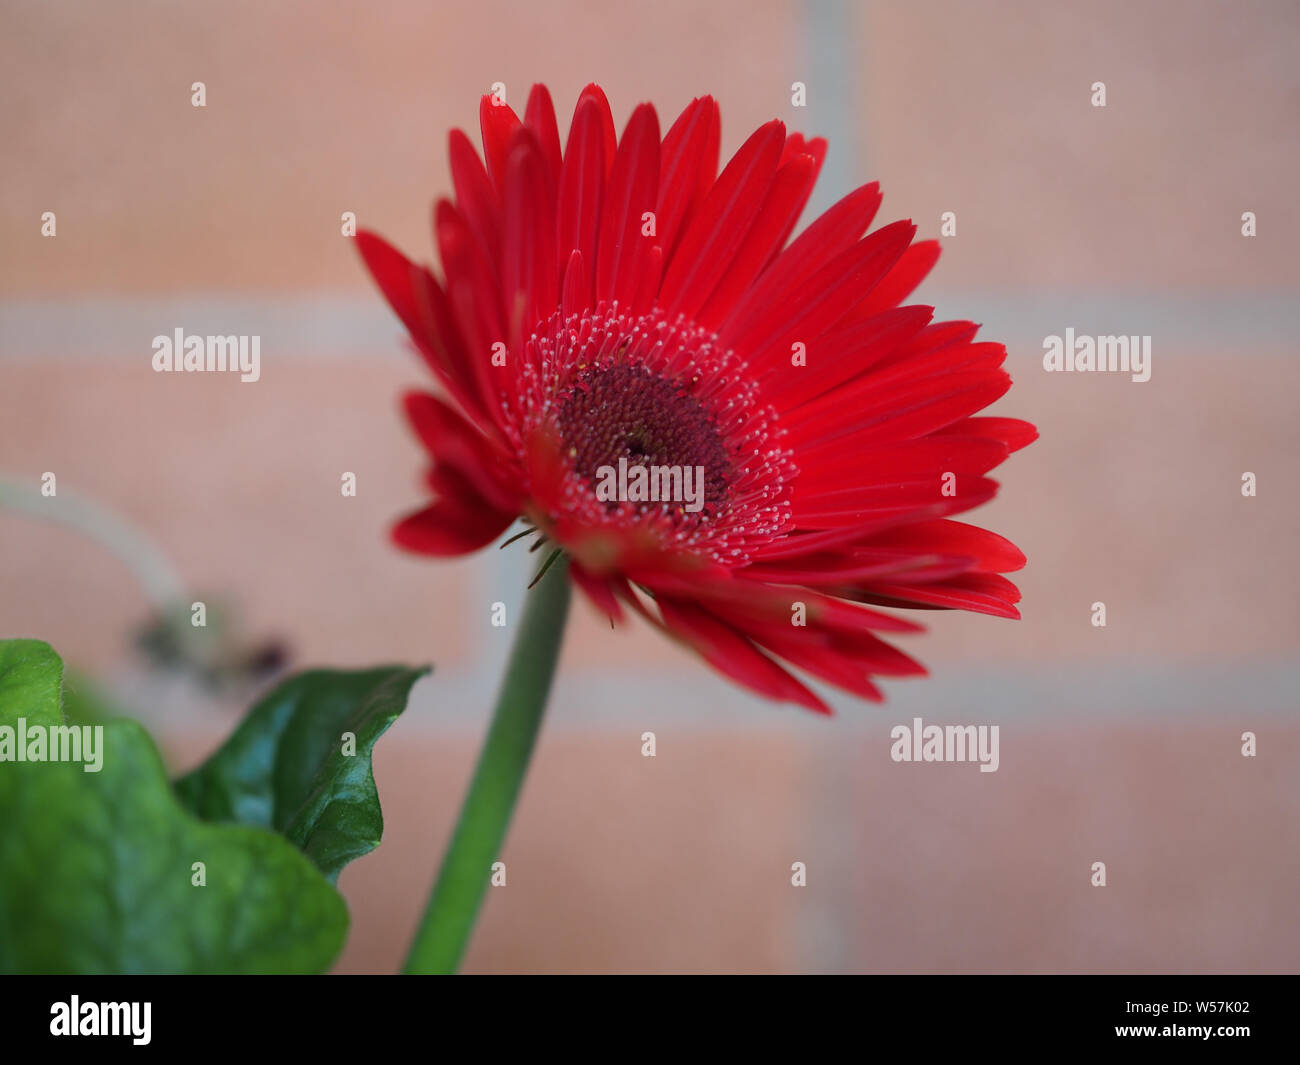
626	411
622	392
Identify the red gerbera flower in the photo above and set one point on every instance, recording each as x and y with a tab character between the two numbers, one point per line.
621	300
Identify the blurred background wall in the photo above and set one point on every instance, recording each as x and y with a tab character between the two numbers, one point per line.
1118	744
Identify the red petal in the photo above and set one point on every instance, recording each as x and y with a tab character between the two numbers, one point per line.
582	185
689	161
394	273
902	280
900	376
452	440
529	274
576	297
892	460
853	506
906	411
807	310
539	117
455	525
633	185
750	601
599	590
834	232
776	217
799	544
841	573
1012	432
596	95
795	146
840	355
732	654
837	667
716	232
422	307
498	124
475	196
937	336
993	553
474	299
981	593
647	284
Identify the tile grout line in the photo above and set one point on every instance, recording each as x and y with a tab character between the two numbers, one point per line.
305	329
824	924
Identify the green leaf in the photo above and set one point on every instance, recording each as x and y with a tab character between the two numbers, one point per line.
98	869
30	677
285	767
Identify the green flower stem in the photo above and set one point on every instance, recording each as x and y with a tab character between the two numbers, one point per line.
463	880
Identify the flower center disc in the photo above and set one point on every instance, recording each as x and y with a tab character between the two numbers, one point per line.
625	411
649	392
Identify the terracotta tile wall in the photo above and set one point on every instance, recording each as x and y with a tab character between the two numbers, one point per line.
1118	744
